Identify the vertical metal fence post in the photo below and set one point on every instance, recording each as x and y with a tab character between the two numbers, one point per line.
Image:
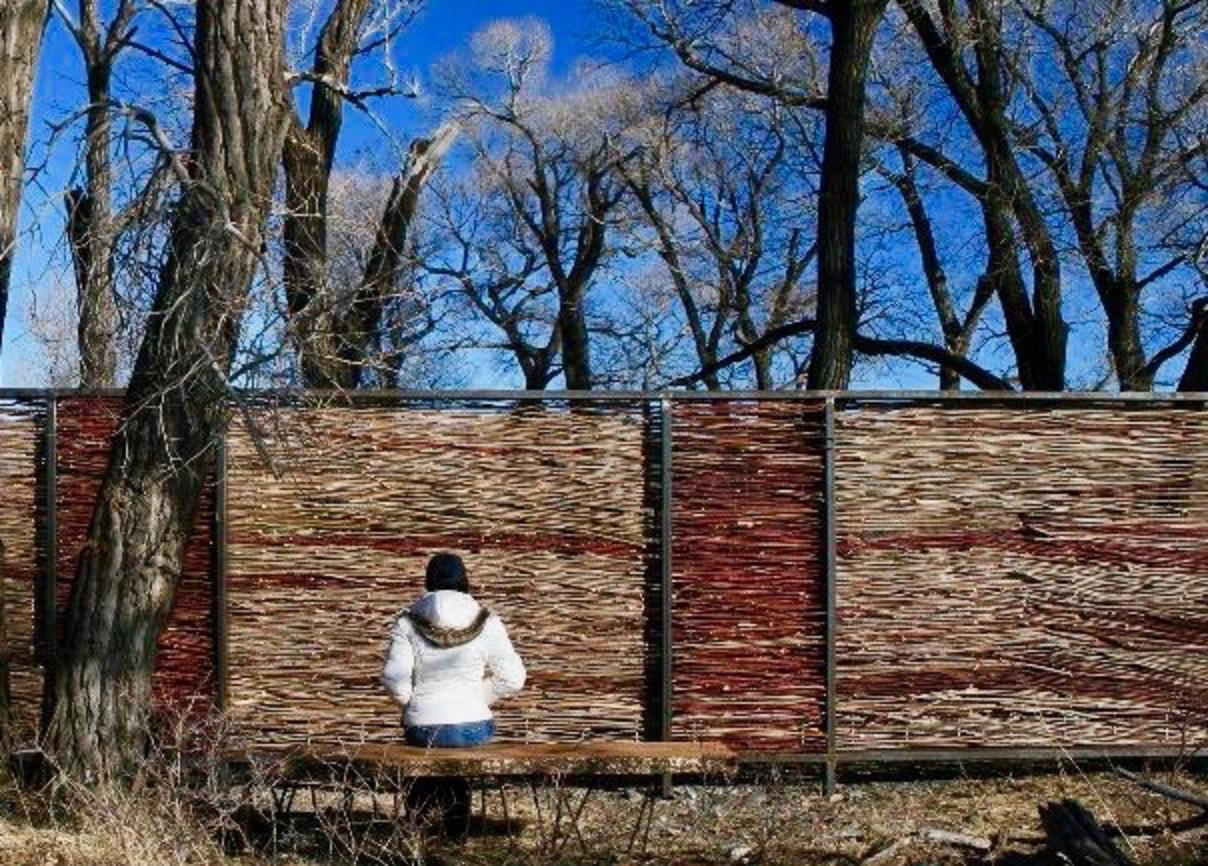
50	578
221	632
828	553
665	564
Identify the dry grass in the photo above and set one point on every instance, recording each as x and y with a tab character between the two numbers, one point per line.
773	822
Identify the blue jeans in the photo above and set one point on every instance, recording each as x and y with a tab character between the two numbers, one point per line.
450	736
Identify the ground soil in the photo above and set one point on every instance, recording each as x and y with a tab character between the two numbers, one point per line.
773	820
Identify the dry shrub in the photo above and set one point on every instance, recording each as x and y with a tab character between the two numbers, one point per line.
186	807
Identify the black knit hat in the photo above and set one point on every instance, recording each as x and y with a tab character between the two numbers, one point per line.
446	571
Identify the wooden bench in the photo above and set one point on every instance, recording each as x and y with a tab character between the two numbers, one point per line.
390	768
499	760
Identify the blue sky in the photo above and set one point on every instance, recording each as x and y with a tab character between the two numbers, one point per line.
42	270
440	29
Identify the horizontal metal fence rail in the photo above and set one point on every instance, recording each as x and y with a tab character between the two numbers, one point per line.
1085	398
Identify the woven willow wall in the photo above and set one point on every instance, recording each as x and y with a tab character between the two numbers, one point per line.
748	607
184	672
21	427
548	506
1031	576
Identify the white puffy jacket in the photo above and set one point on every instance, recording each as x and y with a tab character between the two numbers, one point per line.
441	649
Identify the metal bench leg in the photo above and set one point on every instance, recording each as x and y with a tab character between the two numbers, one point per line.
573	814
645	817
649	823
537	807
587	792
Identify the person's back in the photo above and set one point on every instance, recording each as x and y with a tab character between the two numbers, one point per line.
441	650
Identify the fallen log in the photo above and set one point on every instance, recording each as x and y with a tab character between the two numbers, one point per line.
1189	797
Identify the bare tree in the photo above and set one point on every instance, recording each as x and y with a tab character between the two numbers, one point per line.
720	186
967	51
898	86
337	332
690	28
21	26
372	219
175	404
1116	118
481	245
97	218
727	40
553	154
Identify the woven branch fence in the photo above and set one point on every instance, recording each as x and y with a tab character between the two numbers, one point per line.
845	576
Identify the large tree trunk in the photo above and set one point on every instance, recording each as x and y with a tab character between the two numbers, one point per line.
576	355
90	220
174	408
311	305
1123	307
1195	375
1037	331
853	27
21	26
1039	360
336	336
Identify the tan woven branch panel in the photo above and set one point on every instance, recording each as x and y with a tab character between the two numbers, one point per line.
1022	577
748	606
184	665
548	506
21	427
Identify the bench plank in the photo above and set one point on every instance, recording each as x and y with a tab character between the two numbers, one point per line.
510	759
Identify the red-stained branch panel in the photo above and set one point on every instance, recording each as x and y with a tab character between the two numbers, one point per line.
748	600
184	672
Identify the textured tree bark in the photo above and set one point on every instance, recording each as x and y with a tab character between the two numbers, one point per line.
311	307
1195	374
853	26
21	26
1035	326
308	156
90	223
174	407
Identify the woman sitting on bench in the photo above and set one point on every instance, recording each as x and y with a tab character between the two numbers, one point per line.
441	650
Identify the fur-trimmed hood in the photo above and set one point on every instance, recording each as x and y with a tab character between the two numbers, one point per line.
447	618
